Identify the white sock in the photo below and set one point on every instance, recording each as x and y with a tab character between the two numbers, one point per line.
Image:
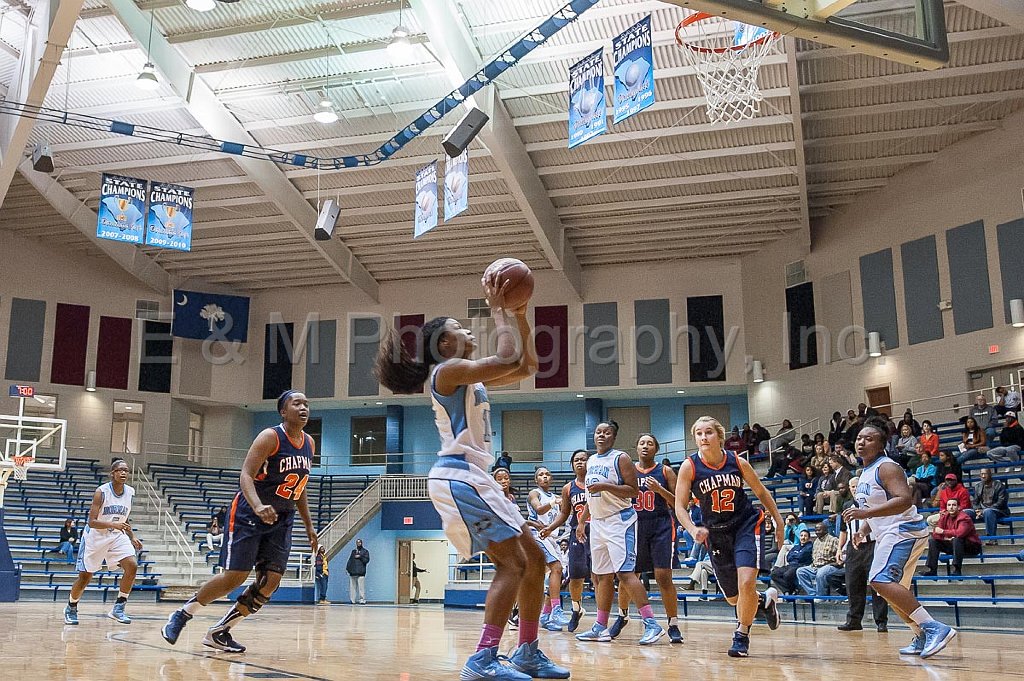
921	616
123	595
73	601
623	613
192	607
673	621
577	606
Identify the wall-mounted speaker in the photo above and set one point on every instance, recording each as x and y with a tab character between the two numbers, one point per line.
462	134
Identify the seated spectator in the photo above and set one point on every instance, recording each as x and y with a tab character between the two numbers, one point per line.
905	445
993	502
915	459
929	438
922	482
504	460
221	516
909	420
214	535
831	489
786	434
761	438
984	415
813	578
973	442
1009	400
808	487
836	426
784	578
820	457
948	464
68	540
790	538
953	534
734	443
778	462
806	446
747	433
819	439
845	455
1011	441
702	573
951	488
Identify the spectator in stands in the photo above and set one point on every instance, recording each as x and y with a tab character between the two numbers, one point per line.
857	560
905	445
951	488
929	438
504	461
779	462
1011	441
321	572
973	441
356	568
947	464
702	573
922	482
68	540
786	434
221	516
747	433
819	458
813	578
1009	400
984	414
831	489
835	428
734	443
214	534
864	411
850	434
790	538
954	534
908	419
784	578
993	502
845	456
808	487
666	462
806	447
761	438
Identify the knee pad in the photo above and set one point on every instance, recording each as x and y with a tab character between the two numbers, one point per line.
252	599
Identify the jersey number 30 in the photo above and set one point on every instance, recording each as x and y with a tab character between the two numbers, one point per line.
292	487
722	500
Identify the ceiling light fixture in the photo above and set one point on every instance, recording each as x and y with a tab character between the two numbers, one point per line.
147	79
201	5
399	46
325	113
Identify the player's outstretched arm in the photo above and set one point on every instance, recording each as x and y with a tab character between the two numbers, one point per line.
760	491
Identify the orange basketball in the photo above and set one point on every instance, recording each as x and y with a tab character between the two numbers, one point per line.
520	280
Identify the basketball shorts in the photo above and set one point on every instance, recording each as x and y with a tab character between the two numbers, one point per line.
613	543
896	557
98	546
552	554
579	557
251	543
474	511
654	542
736	547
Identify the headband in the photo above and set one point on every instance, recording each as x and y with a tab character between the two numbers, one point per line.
285	396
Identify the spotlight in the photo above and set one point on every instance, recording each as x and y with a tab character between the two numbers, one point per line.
147	79
201	5
399	46
1017	312
325	114
90	381
874	344
757	369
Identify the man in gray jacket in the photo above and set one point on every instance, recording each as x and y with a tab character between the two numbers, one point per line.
356	568
992	502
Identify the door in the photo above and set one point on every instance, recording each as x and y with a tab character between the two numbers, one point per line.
880	399
430	557
404	571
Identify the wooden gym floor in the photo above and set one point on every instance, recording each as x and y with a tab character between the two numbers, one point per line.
409	643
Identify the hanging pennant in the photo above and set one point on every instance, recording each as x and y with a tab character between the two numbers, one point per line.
634	70
587	113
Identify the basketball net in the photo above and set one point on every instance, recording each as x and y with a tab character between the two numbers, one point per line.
21	466
726	63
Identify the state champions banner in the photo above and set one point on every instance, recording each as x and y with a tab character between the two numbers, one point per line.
426	199
634	70
456	185
122	211
588	116
169	220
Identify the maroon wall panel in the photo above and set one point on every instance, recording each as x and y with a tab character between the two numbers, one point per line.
113	352
405	324
552	329
70	342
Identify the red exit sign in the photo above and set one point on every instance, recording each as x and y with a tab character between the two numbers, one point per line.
993	349
22	391
407	520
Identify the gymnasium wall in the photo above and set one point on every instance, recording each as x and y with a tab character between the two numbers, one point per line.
949	208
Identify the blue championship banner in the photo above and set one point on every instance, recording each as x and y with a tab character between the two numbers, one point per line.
169	223
201	316
634	70
426	199
122	212
587	114
456	185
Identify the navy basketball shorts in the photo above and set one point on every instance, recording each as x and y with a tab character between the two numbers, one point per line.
736	547
579	558
654	543
251	543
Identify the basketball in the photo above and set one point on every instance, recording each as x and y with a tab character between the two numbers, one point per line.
519	278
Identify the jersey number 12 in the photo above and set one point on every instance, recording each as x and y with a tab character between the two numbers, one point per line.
722	500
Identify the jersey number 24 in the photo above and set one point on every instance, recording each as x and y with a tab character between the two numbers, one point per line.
292	487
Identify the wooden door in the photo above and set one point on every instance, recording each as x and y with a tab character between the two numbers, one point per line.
880	399
404	571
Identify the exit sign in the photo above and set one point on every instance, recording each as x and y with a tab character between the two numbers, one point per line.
993	349
407	520
22	391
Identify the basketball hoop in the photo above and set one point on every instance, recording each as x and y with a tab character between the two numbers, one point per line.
21	466
727	64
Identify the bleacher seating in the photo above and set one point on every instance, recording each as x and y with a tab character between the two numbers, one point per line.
34	512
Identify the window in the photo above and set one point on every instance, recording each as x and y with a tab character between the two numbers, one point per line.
195	437
147	309
522	434
478	308
315	429
368	445
126	428
632	421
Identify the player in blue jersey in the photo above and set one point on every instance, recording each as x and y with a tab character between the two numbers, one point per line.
475	513
259	525
542	508
655	533
885	503
574	501
733	528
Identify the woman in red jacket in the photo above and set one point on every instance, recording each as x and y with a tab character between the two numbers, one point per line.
929	438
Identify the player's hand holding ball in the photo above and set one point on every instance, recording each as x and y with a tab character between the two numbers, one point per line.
508	285
267	514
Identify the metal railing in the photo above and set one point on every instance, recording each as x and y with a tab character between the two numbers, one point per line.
167	524
351	518
802	428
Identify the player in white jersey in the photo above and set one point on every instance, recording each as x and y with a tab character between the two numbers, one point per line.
108	537
541	509
474	511
884	501
611	485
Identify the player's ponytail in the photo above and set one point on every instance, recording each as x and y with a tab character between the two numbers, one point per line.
401	372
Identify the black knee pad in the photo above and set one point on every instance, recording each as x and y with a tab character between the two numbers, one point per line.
252	599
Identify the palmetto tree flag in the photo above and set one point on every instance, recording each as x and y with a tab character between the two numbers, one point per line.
210	315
